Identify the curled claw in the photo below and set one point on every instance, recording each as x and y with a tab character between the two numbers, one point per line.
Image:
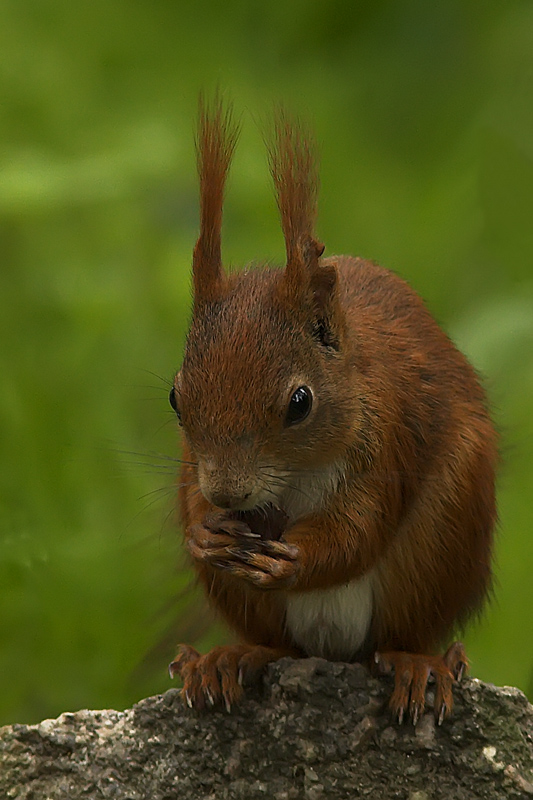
384	666
217	678
228	544
243	552
216	547
411	674
281	549
456	660
204	544
249	534
220	522
265	563
186	655
272	557
224	565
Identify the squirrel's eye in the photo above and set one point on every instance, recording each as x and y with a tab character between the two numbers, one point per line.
174	403
299	405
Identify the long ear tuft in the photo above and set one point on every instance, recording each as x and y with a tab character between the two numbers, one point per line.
309	284
293	165
215	144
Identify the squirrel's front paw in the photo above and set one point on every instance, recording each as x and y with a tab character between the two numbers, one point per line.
229	545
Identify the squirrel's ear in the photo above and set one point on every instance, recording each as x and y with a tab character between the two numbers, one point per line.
327	315
215	144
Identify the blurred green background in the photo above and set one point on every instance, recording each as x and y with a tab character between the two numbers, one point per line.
424	115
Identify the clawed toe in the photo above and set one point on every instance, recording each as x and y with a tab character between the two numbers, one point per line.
217	678
208	680
411	675
456	660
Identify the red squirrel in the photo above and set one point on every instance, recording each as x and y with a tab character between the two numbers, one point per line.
337	483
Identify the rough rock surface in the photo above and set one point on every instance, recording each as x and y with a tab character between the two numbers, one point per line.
313	730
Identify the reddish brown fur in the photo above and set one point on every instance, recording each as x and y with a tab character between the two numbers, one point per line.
397	409
215	145
295	176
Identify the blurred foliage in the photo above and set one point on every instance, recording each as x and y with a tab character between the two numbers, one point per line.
424	115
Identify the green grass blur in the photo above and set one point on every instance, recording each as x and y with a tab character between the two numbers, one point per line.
424	114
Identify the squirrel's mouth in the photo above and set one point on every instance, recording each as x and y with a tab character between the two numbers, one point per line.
268	521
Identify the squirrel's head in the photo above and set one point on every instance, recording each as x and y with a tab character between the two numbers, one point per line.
263	394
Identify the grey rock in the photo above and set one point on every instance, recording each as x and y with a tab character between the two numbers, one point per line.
312	730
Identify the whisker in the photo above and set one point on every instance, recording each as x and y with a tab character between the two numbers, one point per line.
171	419
166	381
168	489
196	492
279	480
170	468
264	485
153	454
153	471
389	476
156	389
156	499
166	519
160	495
162	490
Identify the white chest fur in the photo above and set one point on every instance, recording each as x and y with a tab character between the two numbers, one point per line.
332	623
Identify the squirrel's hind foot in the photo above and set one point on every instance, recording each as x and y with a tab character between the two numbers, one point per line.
217	678
411	675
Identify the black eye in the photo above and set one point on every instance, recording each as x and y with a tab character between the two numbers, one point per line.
299	405
173	402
